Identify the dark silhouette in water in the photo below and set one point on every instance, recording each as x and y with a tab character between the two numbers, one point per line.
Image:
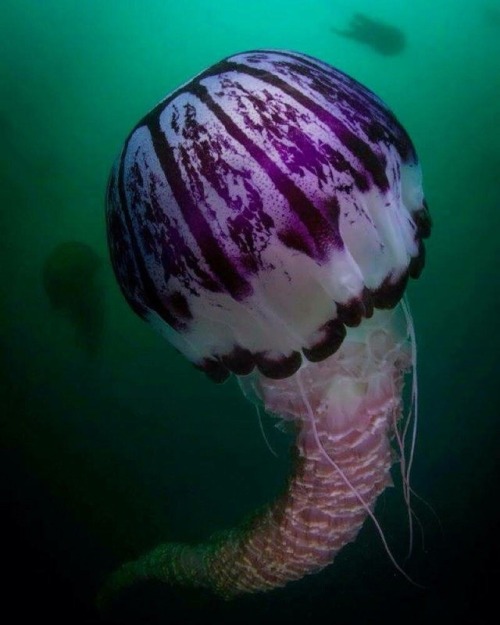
383	38
69	278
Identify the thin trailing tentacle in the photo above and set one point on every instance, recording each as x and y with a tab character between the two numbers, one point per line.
368	510
262	431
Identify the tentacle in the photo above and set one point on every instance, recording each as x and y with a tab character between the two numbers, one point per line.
344	409
299	533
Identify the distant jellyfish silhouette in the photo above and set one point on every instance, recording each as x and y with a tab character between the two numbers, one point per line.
265	218
70	281
383	38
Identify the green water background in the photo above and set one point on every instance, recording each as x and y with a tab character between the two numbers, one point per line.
105	456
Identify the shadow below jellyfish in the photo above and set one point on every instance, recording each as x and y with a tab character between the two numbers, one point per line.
70	275
381	37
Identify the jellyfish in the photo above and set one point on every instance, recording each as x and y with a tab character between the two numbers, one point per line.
70	280
265	218
383	38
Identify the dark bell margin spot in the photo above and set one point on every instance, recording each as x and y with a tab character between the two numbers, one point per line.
214	369
417	263
353	311
333	334
388	295
177	304
278	368
239	361
423	221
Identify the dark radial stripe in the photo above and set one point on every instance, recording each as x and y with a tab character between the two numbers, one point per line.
365	100
151	297
220	264
356	146
319	229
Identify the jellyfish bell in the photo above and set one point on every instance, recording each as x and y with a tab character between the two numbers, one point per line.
265	218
